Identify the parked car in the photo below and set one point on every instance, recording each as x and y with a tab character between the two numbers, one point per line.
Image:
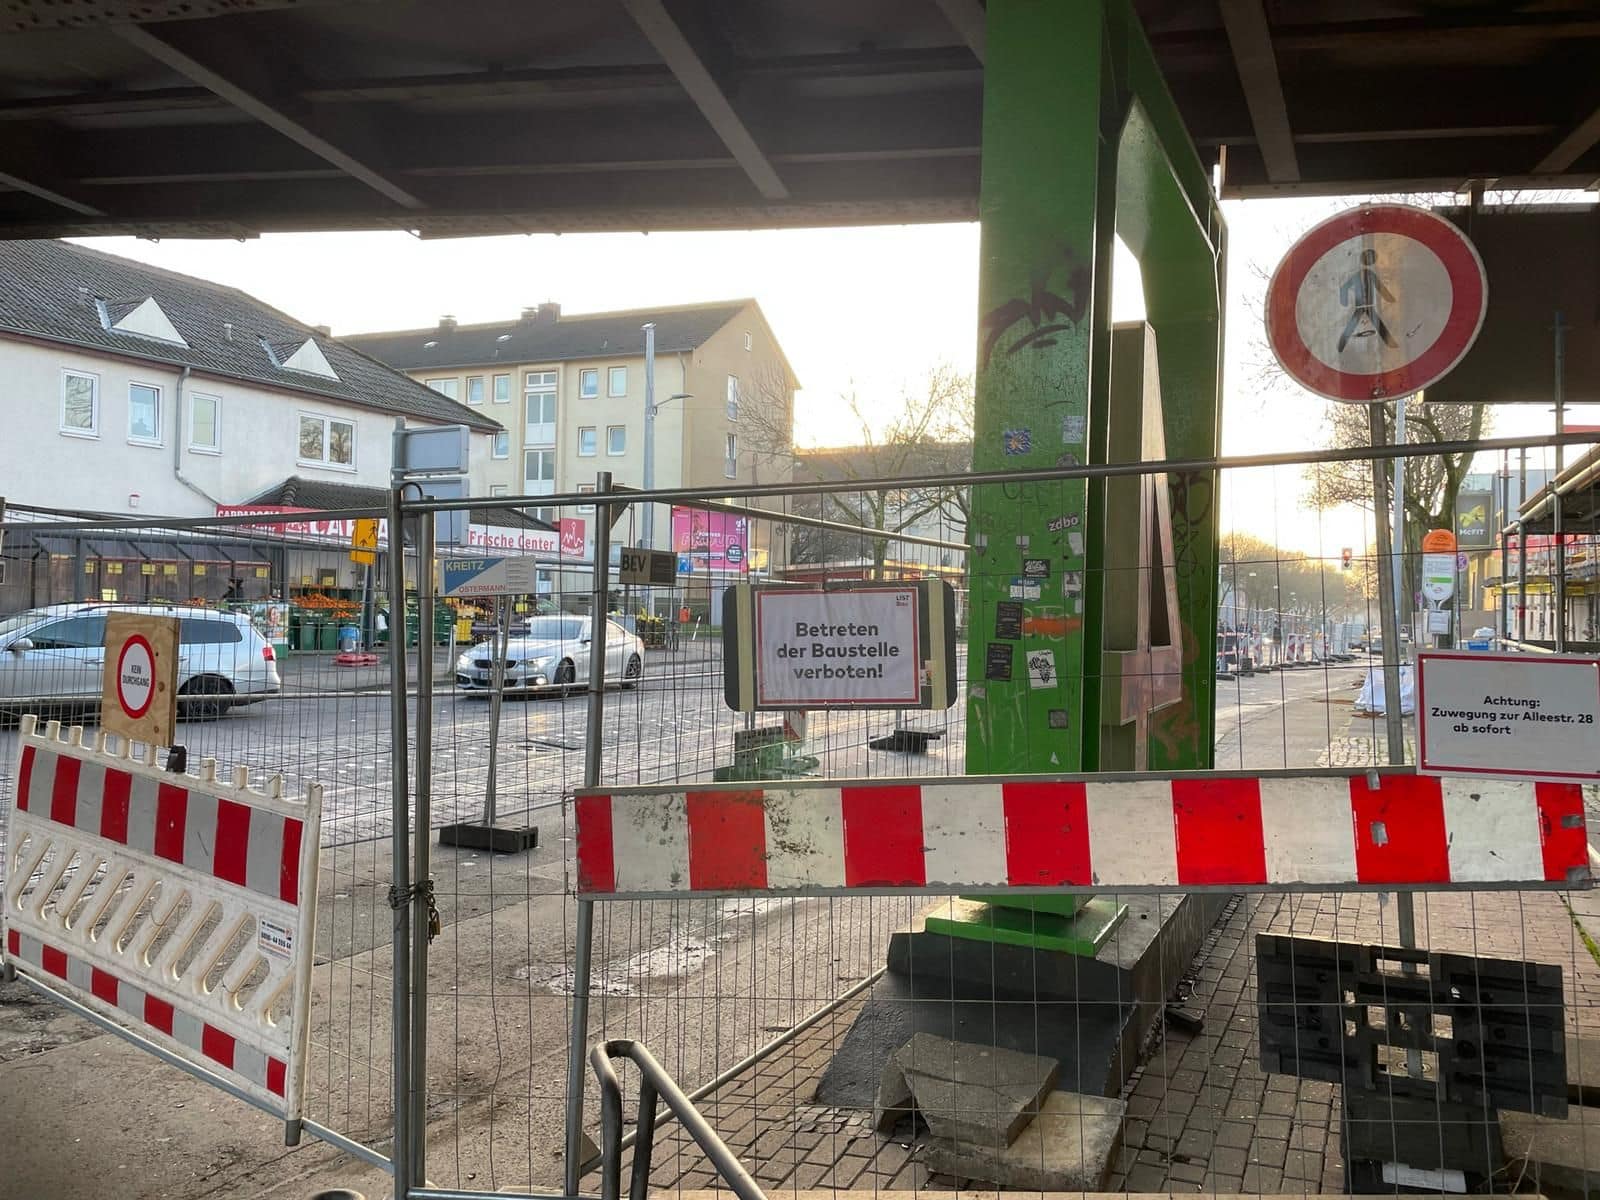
55	657
554	653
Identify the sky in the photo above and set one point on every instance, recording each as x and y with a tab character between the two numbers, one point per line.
868	310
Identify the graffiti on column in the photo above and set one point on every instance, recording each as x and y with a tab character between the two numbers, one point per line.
1043	313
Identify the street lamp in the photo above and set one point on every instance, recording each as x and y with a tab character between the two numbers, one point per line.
650	410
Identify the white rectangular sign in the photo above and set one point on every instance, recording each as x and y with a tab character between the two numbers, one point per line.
822	649
1510	716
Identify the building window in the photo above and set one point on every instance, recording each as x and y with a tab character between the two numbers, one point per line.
448	388
589	383
502	444
749	342
327	441
586	489
538	472
617	381
539	392
80	404
499	489
616	440
474	389
730	468
502	389
586	441
144	414
205	424
733	397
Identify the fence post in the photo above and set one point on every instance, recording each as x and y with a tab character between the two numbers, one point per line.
422	892
583	937
400	881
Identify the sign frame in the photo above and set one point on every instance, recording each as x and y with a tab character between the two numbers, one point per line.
1428	761
934	614
1469	300
155	721
640	567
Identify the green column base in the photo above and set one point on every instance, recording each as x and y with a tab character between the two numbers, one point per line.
1088	927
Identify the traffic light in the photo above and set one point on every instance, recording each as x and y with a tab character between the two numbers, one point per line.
1344	559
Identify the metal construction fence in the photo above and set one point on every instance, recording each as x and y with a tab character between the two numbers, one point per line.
1175	1041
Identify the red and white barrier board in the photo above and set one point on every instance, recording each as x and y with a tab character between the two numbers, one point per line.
179	906
1269	832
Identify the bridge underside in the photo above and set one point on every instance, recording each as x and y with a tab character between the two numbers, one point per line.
493	116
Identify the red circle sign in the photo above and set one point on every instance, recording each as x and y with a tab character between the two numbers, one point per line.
136	676
1375	303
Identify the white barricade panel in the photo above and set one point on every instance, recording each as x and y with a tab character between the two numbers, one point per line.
178	906
1270	832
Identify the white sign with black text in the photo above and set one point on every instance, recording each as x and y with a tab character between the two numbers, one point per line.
820	649
1510	716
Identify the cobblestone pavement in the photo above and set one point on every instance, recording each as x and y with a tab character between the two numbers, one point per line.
1202	1116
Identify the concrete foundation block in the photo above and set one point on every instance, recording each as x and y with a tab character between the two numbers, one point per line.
1066	1148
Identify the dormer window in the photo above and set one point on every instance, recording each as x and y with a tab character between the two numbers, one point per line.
306	357
141	318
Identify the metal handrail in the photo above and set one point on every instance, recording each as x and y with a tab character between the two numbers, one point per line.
654	1084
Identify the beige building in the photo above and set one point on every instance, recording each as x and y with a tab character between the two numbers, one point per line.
570	391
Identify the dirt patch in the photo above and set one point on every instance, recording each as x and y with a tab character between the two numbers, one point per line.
30	1024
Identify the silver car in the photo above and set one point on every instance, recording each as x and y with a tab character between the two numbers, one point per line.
554	653
56	657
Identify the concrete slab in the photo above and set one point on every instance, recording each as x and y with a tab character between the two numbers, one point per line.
1583	1070
968	1094
1067	1147
1560	1158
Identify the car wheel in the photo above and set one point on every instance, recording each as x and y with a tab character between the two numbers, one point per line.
633	672
566	674
204	698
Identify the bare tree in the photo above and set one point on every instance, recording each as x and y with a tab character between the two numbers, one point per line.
1432	481
928	433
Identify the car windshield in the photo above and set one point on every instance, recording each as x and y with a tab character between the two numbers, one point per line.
556	629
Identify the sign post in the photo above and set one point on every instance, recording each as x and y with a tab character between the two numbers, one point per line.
1376	304
139	691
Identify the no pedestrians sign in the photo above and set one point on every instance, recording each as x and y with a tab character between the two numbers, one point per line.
1375	303
139	693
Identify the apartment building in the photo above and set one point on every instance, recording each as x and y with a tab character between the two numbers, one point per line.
570	391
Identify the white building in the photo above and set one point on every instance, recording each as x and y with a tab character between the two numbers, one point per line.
135	390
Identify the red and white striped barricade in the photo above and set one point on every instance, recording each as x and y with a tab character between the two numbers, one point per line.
177	907
1270	831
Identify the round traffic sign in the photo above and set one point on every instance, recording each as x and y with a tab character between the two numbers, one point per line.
1375	303
136	676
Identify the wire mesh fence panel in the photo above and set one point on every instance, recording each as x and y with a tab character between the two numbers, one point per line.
276	674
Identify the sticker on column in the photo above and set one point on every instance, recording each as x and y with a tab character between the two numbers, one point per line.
1064	521
1072	429
1042	669
1071	583
1019	441
997	661
1008	619
1075	544
1059	719
1036	568
1023	588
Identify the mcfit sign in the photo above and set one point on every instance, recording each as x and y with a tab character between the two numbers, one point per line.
1474	517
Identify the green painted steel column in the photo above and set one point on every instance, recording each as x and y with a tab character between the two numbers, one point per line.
1041	191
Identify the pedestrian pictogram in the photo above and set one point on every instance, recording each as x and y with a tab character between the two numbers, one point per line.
139	691
1375	303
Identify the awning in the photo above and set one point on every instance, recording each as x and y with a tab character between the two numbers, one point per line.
58	547
204	552
114	551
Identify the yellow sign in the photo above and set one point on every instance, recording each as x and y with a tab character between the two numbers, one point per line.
364	540
199	569
139	689
169	568
147	568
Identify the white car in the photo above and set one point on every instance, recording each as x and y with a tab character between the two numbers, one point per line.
55	657
554	653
